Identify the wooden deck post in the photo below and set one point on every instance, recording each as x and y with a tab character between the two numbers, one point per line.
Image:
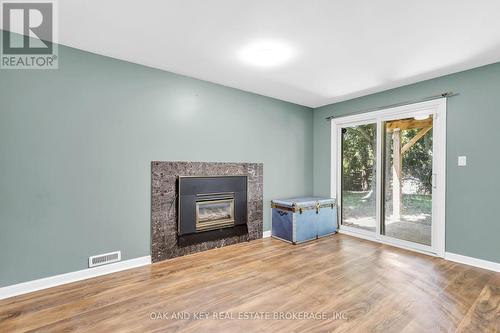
396	174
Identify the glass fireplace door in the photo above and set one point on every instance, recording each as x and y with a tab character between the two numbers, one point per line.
214	211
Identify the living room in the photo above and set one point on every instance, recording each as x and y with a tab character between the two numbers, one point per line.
259	166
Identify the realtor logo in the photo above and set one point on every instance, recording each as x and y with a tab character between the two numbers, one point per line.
28	32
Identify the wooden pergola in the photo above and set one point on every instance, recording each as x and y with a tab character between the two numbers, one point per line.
395	127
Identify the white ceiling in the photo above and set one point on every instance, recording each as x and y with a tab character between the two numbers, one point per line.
343	48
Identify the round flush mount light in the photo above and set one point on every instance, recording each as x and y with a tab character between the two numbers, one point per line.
266	53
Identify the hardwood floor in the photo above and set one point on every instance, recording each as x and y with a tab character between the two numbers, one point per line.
357	285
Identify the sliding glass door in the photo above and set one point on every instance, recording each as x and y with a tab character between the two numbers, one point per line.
408	155
389	175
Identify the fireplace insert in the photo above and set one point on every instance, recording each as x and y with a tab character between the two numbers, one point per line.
214	211
210	208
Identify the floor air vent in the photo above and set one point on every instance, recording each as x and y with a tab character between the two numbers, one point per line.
106	258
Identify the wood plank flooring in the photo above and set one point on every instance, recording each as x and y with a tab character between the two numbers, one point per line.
339	284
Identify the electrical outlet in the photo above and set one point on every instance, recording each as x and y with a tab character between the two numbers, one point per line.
462	161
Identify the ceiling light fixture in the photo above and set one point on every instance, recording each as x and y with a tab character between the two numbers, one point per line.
266	53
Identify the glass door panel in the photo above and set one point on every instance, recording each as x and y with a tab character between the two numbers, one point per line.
408	160
359	190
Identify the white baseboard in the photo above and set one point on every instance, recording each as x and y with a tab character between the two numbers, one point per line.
490	265
480	263
57	280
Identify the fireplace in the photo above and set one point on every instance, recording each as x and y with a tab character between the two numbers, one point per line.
211	208
176	188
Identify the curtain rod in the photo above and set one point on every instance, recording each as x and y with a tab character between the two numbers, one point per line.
425	99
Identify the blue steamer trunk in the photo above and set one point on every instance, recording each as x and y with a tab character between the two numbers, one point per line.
299	220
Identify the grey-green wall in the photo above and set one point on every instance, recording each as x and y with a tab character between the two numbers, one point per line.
472	200
76	146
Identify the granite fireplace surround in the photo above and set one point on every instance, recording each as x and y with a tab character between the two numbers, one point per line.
164	176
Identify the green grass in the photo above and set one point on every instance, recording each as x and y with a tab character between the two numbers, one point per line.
412	203
418	203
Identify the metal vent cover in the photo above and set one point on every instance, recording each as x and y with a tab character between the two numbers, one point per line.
105	258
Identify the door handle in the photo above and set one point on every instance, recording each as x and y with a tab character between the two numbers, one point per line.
434	180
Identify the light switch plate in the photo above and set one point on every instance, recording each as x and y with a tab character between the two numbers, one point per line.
462	160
